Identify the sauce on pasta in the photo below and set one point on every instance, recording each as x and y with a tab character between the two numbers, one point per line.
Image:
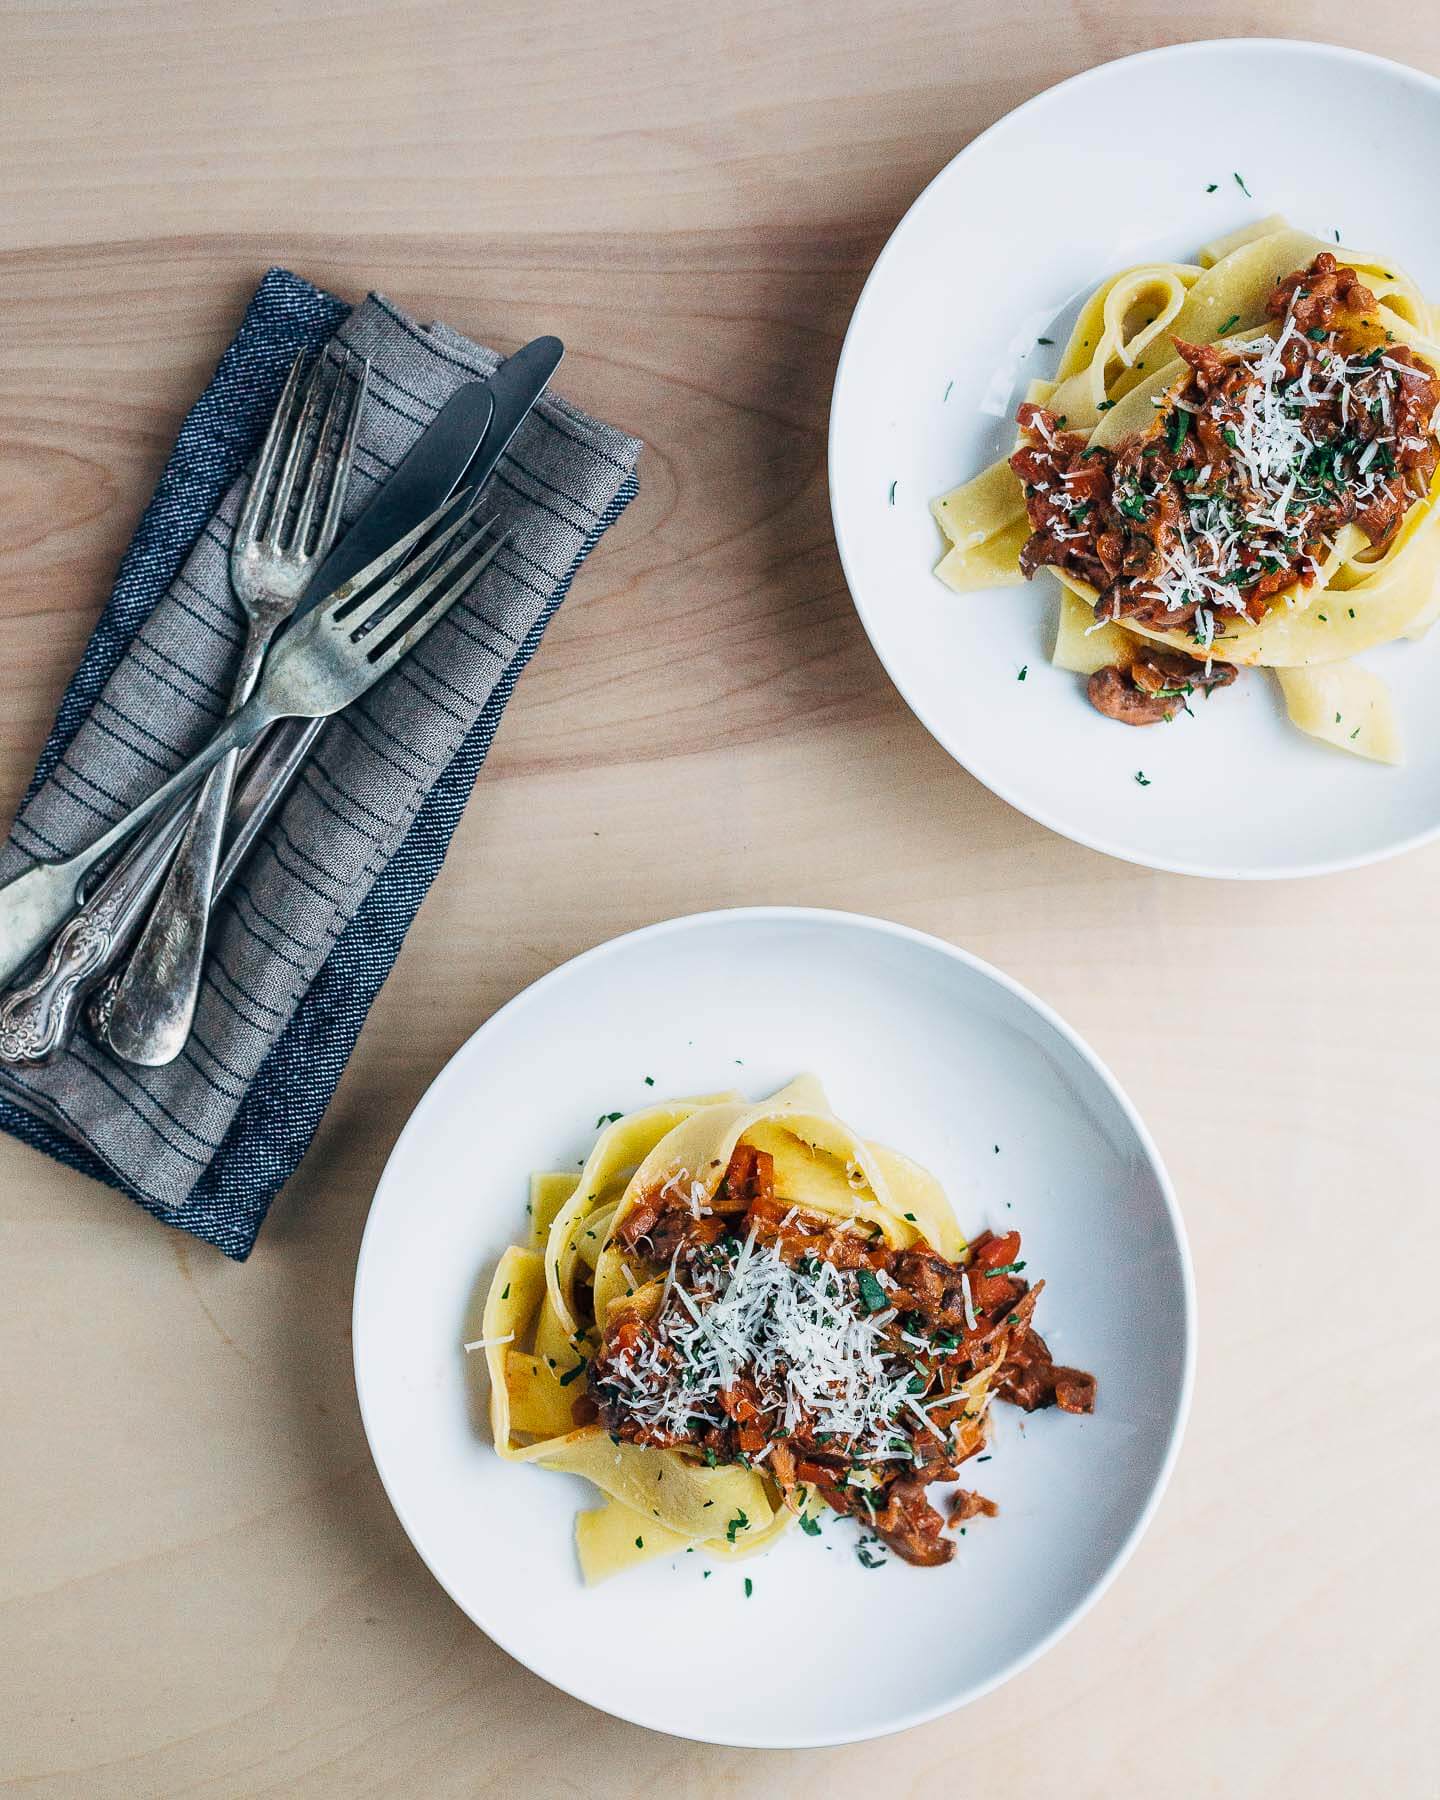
1258	455
788	1340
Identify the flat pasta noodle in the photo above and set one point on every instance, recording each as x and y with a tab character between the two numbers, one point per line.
1347	706
547	1304
1117	367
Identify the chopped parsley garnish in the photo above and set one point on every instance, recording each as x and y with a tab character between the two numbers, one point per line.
893	486
1210	189
505	1293
749	1587
871	1553
872	1295
1024	671
1044	340
649	1081
1105	406
607	1119
570	1374
1229	324
811	1527
639	1543
1179	425
1240	183
738	1523
1142	778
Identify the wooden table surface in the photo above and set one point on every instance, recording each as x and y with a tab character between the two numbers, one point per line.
202	1588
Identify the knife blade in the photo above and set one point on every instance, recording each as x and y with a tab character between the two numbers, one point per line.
476	423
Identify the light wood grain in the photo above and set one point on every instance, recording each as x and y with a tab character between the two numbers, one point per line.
203	1590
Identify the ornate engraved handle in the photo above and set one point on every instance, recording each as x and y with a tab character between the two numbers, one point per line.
36	1017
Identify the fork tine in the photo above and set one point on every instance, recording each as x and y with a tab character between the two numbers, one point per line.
330	522
315	473
378	603
246	525
435	596
350	593
299	437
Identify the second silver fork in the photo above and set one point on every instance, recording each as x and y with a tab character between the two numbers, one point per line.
279	543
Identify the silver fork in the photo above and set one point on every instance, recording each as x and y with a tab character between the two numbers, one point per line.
272	560
328	658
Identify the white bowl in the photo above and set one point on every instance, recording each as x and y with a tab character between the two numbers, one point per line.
921	1046
1106	170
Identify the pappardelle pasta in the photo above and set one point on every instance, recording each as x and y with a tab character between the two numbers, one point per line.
740	1314
1235	465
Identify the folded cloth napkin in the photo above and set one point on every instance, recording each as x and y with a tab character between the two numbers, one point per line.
310	928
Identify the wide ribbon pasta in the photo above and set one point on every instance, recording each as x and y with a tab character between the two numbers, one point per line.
1114	372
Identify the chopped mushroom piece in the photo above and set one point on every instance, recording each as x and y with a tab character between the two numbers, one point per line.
1154	688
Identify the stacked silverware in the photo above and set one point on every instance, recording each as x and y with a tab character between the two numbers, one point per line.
122	924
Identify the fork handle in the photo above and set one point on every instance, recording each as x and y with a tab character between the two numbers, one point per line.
149	1015
36	904
153	1005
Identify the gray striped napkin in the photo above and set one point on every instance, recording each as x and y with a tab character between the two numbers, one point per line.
157	1132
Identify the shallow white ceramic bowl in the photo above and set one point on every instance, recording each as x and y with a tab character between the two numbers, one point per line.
921	1046
1106	170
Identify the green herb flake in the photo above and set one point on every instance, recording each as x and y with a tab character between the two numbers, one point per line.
893	486
607	1119
570	1374
1141	778
1210	189
1240	183
1229	324
649	1081
505	1295
811	1527
639	1543
749	1587
1044	340
738	1523
872	1295
949	385
1105	406
1025	670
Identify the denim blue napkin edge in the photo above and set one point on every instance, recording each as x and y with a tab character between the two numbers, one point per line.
284	1105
